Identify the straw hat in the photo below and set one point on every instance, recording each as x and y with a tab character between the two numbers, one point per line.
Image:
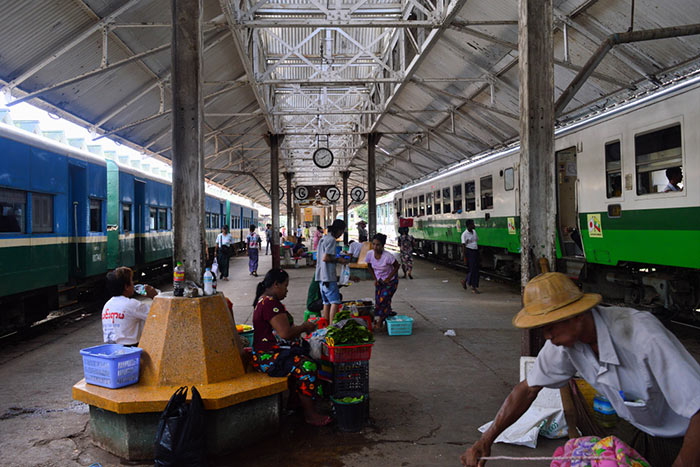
362	223
552	297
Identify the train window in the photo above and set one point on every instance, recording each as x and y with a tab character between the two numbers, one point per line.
470	193
421	200
162	219
42	213
446	207
401	207
126	217
429	204
658	156
415	206
95	215
509	179
153	219
438	204
409	203
486	185
457	198
13	205
613	170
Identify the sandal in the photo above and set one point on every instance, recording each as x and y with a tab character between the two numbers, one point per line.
322	422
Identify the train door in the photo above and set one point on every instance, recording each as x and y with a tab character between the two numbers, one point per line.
113	214
567	206
139	224
78	197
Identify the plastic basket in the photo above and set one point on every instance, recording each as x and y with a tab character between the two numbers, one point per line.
400	325
351	416
111	365
350	378
347	353
308	314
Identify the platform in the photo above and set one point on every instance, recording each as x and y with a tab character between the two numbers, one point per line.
427	422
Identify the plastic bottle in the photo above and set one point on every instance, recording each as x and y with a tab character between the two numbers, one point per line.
603	411
179	280
140	289
208	279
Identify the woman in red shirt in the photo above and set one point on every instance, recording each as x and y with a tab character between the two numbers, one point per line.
279	349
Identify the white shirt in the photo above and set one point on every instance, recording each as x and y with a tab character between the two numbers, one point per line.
354	249
470	239
222	239
670	187
326	272
123	319
637	355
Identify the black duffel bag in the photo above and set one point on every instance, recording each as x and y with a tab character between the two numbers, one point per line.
180	440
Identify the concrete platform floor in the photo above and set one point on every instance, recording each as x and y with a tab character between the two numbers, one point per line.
429	393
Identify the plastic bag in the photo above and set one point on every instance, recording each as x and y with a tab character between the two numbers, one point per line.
215	267
344	275
180	438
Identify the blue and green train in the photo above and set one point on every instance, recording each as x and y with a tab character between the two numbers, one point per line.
68	216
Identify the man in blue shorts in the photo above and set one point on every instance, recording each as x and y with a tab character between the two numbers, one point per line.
325	269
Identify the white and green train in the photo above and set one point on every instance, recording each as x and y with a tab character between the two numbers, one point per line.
620	228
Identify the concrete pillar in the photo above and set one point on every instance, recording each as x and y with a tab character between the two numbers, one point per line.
291	227
187	147
372	140
275	141
345	175
537	169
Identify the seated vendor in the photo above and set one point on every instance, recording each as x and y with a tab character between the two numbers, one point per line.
123	317
354	248
626	355
279	348
299	250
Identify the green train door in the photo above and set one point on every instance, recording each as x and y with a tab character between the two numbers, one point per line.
112	215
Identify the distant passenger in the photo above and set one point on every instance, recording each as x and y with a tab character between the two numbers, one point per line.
123	317
675	176
406	243
354	248
268	237
298	230
470	251
326	272
253	242
317	236
362	231
223	251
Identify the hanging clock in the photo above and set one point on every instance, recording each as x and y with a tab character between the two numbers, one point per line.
281	194
301	193
333	194
323	158
357	194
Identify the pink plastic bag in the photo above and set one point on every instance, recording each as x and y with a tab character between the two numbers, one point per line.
610	452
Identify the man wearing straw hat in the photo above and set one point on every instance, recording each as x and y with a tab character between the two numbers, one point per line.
626	355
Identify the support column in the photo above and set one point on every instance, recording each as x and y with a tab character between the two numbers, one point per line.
345	175
537	196
275	141
290	208
187	147
372	140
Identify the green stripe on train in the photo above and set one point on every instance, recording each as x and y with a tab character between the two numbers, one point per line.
28	268
492	232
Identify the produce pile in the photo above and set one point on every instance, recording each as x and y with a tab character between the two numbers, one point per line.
350	333
350	400
243	328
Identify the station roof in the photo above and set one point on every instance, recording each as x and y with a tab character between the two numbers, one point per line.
438	78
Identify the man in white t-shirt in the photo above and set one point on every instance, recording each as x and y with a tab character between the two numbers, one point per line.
123	317
470	251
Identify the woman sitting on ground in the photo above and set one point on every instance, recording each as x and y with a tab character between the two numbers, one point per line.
123	317
384	270
279	349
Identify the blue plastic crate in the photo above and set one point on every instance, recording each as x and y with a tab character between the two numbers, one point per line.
400	325
111	365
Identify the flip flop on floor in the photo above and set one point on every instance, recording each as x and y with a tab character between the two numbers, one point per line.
321	422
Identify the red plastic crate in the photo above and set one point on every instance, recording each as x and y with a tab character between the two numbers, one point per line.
347	353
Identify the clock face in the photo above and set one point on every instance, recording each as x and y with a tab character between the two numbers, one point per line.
301	193
281	194
333	194
323	158
357	194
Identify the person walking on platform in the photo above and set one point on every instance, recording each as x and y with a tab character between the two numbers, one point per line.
470	251
325	269
384	270
223	251
627	355
253	242
268	238
123	317
406	242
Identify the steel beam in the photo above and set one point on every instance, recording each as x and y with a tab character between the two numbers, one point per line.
187	141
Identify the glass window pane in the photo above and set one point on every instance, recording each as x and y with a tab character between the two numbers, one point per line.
429	204
42	213
446	206
470	191
613	170
457	192
96	215
153	219
657	153
509	178
13	206
438	204
162	219
486	185
421	200
126	217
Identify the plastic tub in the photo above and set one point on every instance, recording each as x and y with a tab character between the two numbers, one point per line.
400	325
351	416
248	335
111	365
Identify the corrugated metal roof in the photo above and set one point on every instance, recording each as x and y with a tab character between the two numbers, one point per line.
463	98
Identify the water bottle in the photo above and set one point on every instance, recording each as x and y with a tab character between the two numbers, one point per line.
140	289
179	280
208	285
603	411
